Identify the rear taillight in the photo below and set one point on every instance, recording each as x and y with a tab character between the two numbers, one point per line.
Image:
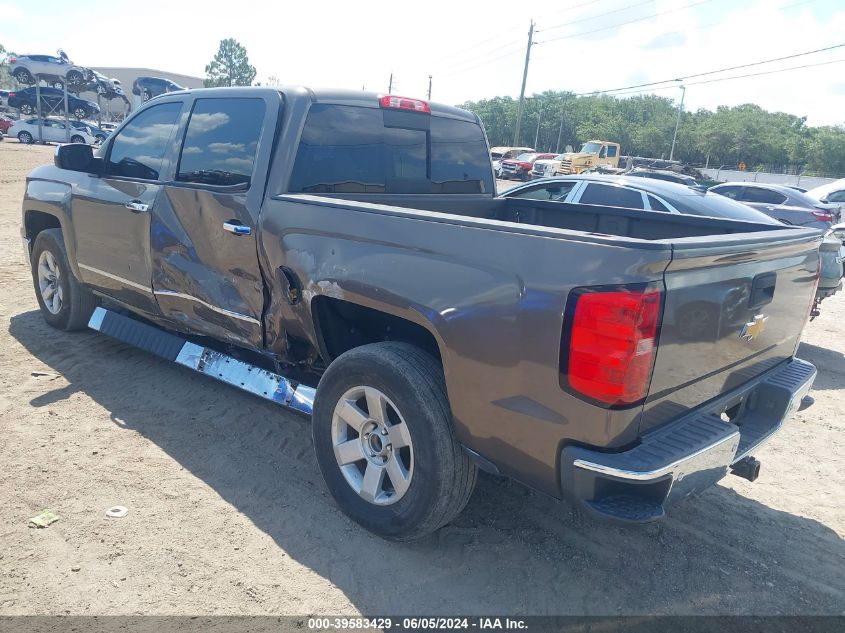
404	103
609	342
824	216
13	60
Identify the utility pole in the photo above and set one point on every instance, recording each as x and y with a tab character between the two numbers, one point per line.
429	87
559	134
390	85
539	118
678	122
560	130
524	79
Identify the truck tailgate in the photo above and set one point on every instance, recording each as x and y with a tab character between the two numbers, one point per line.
732	311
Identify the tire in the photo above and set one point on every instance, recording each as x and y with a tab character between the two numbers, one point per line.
26	109
146	96
75	303
101	138
75	78
440	476
80	113
25	138
58	85
24	76
77	139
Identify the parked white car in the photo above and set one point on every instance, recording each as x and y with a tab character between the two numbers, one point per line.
25	68
54	131
833	192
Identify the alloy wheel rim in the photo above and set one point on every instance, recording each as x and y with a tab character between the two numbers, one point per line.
48	282
372	445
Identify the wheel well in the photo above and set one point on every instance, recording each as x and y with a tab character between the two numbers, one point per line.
37	221
342	325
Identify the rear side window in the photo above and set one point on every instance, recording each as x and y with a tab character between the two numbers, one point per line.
656	205
762	196
138	151
349	149
612	196
557	192
221	141
728	192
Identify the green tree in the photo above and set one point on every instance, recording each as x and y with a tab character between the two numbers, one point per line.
230	66
644	124
6	79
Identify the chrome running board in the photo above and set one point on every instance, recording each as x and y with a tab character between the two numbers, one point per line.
260	382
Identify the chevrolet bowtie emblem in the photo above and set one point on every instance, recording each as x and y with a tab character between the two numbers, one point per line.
753	329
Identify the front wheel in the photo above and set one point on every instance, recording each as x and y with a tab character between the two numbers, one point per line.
80	113
65	304
77	139
385	442
75	78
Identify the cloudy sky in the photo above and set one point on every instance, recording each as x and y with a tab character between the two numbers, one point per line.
472	49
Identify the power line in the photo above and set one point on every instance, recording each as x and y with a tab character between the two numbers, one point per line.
613	26
515	46
594	17
713	72
511	44
572	8
718	79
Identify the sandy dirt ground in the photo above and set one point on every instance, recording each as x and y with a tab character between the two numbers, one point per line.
228	515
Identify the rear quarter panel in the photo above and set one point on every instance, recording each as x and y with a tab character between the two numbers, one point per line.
492	299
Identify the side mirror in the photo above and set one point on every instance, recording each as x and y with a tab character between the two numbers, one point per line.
75	157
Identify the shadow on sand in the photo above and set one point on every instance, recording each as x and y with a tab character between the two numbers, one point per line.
511	551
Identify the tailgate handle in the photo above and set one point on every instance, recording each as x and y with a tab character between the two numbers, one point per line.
762	289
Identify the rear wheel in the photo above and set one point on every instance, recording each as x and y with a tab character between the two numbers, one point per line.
26	109
25	138
385	442
65	304
24	76
80	113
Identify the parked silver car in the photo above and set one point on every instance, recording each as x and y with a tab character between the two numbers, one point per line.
652	195
25	68
51	131
782	203
636	193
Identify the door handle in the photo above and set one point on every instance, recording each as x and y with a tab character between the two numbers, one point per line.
137	206
235	227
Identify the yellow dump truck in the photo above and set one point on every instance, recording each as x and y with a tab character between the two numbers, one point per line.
593	153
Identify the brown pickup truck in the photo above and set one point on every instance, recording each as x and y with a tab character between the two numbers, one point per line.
344	255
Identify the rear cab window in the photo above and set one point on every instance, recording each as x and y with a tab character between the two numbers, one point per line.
357	149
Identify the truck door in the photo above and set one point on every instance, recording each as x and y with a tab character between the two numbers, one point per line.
111	213
206	275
